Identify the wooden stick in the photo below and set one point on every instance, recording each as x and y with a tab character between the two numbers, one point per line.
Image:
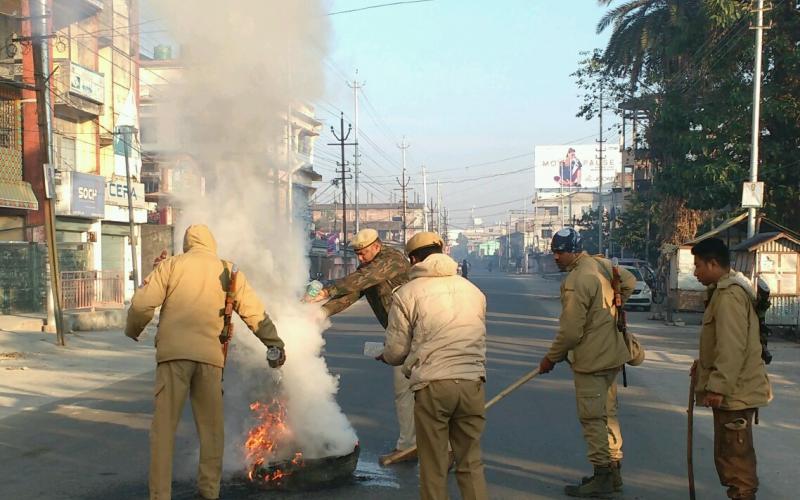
398	456
690	439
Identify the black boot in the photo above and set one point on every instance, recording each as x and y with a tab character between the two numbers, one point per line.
600	485
616	473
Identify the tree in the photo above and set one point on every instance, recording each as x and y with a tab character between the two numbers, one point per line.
589	228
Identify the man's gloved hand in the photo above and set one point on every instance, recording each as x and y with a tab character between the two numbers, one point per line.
545	365
276	357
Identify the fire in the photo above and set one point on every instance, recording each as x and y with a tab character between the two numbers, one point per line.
266	438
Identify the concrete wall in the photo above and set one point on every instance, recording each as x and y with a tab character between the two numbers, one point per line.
155	238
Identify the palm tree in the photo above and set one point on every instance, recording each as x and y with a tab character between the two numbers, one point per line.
646	36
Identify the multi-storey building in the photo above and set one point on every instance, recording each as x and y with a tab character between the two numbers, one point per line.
93	53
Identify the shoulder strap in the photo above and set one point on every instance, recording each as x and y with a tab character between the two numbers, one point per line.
230	295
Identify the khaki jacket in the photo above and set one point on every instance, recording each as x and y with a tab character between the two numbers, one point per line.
730	349
376	280
190	289
437	325
587	327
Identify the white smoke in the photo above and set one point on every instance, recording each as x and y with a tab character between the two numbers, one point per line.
245	63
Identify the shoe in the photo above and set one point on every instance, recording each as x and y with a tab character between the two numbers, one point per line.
616	474
390	456
600	485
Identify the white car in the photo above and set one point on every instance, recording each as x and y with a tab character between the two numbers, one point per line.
642	296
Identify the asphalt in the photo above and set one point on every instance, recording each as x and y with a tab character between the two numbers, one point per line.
94	444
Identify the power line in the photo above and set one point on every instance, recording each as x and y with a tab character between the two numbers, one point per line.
377	6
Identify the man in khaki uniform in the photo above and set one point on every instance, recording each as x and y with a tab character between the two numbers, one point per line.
191	290
589	340
730	376
437	332
382	269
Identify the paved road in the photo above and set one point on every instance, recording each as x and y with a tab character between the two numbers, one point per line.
94	446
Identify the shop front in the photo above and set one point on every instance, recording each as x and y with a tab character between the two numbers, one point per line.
116	232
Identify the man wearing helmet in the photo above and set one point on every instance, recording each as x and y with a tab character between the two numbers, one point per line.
589	340
437	333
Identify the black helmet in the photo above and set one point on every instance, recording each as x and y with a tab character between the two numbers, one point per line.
566	240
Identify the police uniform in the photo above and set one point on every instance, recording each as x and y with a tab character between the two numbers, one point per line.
191	289
589	340
377	280
437	336
730	364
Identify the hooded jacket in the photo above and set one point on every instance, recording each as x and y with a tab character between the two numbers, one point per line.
190	289
437	325
730	348
587	329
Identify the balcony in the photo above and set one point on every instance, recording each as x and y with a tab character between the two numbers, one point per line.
66	12
80	92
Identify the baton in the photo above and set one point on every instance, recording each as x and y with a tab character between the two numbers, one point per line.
400	455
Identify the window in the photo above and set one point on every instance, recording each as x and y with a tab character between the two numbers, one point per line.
779	270
8	124
149	131
545	211
547	233
65	152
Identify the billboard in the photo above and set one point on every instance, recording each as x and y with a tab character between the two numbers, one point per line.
576	167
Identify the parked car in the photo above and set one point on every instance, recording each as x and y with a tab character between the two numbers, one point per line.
642	296
643	266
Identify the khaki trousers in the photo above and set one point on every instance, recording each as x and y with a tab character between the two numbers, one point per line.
734	454
404	406
596	394
450	410
203	383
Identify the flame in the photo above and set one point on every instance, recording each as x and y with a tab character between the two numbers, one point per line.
265	440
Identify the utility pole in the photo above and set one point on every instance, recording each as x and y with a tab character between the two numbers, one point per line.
438	206
341	142
404	186
425	226
356	156
600	150
41	70
432	224
127	131
756	128
445	229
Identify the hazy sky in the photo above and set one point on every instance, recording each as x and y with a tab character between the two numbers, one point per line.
467	82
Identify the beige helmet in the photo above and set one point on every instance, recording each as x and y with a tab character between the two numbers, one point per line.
422	240
364	238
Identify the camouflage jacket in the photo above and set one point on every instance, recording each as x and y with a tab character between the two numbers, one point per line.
375	280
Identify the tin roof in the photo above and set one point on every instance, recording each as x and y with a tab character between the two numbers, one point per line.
756	241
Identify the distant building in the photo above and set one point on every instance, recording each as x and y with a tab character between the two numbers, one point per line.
386	218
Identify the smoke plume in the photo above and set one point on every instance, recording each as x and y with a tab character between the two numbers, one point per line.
245	63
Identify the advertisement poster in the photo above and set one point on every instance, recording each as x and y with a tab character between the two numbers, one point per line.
576	167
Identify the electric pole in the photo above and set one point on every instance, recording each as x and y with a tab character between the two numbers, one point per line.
759	27
600	151
41	70
438	206
425	226
341	142
404	187
445	229
356	156
127	131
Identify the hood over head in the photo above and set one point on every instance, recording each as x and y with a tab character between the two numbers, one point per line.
436	265
199	237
